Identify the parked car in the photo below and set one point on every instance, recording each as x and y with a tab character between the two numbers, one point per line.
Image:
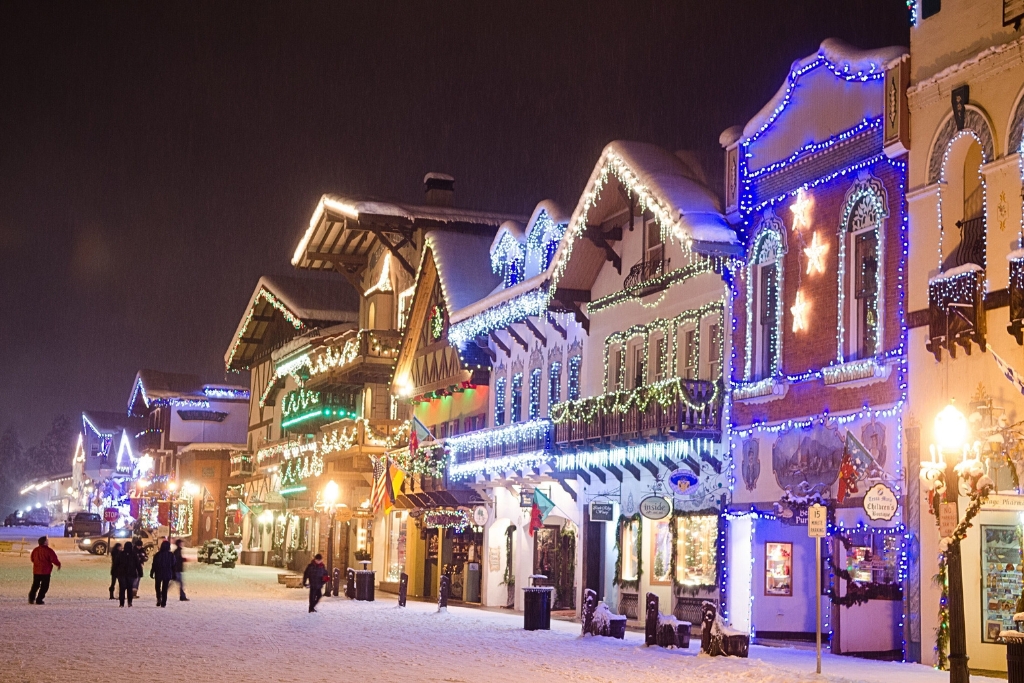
97	545
83	524
33	517
17	518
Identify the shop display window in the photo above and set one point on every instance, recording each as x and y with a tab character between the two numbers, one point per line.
396	544
778	569
873	558
1000	579
696	548
630	541
661	552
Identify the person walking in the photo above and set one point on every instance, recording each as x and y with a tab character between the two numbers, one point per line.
140	561
314	577
162	570
126	568
43	559
179	568
114	552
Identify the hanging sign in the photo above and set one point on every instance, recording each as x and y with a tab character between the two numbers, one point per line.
999	502
880	503
601	511
480	515
342	513
683	482
655	507
526	498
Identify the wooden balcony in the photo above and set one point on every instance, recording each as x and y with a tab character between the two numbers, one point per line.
242	465
699	414
367	357
956	310
501	442
643	276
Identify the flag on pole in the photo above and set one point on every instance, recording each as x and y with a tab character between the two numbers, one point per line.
418	433
387	480
542	507
856	461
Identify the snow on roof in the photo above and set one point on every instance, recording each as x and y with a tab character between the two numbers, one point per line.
554	211
357	208
158	384
110	422
433	175
302	302
1014	45
463	266
214	446
730	135
512	228
845	61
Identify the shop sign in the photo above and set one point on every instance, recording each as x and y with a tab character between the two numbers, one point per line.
480	515
342	513
998	502
683	482
445	519
655	507
526	498
880	503
601	511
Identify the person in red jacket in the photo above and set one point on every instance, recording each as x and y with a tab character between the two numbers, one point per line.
43	560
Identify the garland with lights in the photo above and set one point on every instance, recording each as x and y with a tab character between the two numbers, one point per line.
428	460
510	575
665	393
694	589
710	264
629	584
265	295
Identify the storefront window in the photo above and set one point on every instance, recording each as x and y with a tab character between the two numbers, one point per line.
1000	579
696	547
396	544
631	550
873	558
778	569
661	552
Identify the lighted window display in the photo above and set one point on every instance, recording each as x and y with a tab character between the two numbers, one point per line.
661	552
696	544
499	402
554	383
1000	579
516	398
396	544
778	569
573	390
630	550
872	558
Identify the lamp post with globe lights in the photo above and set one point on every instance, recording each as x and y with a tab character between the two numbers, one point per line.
331	495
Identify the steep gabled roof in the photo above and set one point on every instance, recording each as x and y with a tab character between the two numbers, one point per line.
107	422
663	184
301	303
155	386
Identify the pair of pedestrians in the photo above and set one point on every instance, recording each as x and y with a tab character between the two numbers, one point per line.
168	566
126	567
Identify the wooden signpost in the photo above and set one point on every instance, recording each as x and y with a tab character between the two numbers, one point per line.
817	528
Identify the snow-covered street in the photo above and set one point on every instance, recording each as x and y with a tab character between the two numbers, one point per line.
241	621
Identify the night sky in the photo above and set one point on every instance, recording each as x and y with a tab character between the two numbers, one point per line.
156	158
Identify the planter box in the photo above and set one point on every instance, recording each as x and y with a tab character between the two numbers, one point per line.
252	557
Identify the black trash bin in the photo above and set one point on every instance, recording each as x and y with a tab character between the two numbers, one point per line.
1014	660
364	585
537	608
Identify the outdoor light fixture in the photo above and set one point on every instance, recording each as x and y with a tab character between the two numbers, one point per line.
331	493
950	429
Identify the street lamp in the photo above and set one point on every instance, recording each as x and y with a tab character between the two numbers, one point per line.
951	436
331	495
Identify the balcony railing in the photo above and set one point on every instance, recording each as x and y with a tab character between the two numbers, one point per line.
242	465
501	442
644	272
972	243
956	310
367	357
676	407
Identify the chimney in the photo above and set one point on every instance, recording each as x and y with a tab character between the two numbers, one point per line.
440	189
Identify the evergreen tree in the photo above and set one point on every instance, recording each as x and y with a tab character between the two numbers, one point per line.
57	448
12	468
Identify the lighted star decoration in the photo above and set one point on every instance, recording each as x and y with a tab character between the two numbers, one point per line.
801	209
816	255
800	308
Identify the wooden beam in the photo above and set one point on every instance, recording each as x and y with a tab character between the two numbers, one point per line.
500	344
482	343
565	485
536	333
382	236
354	279
580	317
610	235
616	472
558	328
632	469
566	296
651	467
338	259
598	239
522	342
584	475
670	464
599	473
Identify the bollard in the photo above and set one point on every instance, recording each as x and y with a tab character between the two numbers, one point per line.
403	589
651	624
350	584
335	581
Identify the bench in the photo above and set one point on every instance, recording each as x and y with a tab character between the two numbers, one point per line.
664	630
598	620
717	638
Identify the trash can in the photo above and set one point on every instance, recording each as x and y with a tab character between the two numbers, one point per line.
1014	660
364	585
471	593
537	608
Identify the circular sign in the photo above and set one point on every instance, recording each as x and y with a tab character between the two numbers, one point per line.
655	507
880	503
342	513
480	515
682	482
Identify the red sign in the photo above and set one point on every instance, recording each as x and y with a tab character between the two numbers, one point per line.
110	515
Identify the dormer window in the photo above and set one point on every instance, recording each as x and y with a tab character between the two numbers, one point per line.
508	260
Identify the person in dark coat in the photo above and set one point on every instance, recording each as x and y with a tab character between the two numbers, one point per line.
179	568
162	570
141	557
126	567
314	577
114	552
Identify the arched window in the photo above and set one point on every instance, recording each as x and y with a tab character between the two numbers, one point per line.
516	398
535	382
861	249
499	402
573	384
554	383
764	312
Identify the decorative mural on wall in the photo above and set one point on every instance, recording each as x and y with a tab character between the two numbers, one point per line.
751	463
806	460
872	435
